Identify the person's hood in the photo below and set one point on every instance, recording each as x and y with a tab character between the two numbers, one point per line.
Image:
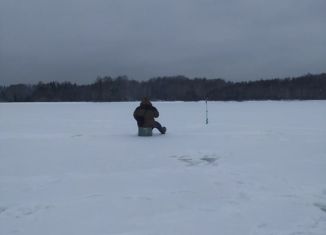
145	102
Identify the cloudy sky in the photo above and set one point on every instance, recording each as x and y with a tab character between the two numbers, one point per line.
78	40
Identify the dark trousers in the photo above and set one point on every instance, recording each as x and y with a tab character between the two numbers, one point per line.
158	126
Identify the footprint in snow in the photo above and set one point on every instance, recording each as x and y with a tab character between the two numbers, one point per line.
197	159
209	159
2	209
321	206
95	195
24	211
77	135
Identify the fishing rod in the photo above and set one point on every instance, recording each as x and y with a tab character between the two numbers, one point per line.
206	112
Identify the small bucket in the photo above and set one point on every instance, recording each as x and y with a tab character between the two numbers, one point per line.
145	131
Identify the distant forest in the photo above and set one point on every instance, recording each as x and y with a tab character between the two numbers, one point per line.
308	87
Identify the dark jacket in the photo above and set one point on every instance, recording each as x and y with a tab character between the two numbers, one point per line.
145	114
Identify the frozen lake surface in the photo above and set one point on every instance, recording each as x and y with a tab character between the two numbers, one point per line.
80	169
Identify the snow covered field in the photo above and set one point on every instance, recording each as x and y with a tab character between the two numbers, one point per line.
80	169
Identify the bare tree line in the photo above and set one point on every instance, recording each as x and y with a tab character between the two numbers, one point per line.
307	87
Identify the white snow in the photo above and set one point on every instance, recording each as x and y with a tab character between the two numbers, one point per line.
80	169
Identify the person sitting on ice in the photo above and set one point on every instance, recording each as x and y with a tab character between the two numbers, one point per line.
145	114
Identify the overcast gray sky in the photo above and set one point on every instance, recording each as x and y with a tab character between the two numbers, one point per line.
78	40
